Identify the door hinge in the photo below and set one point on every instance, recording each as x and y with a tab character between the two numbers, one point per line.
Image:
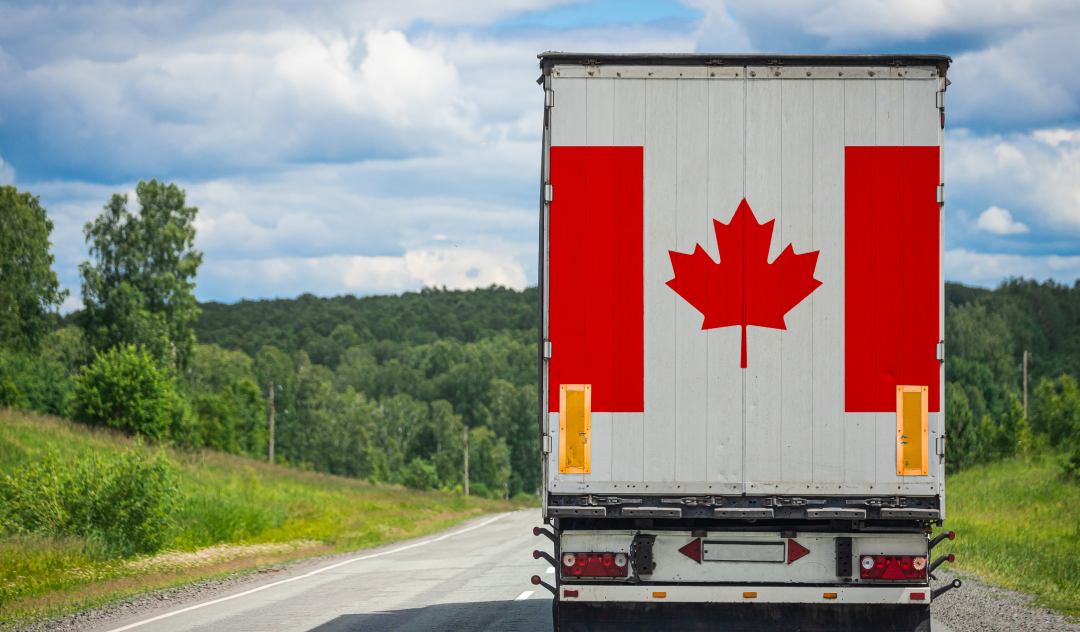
547	444
549	192
941	351
549	98
547	349
941	99
939	446
941	194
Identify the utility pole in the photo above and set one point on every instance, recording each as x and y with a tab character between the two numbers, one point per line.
1025	383
466	460
271	421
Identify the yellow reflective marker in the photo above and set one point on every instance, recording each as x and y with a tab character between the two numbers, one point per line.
659	595
575	428
912	431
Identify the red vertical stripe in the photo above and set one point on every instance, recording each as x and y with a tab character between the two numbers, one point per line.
888	277
599	238
891	275
922	280
628	324
860	187
566	326
596	293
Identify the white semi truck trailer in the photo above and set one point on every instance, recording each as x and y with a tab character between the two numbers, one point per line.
741	332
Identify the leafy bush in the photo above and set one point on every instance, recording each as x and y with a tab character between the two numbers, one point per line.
125	389
479	489
1072	464
9	393
421	474
33	383
126	501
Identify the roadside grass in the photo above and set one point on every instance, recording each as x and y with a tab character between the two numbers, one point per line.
1017	525
235	514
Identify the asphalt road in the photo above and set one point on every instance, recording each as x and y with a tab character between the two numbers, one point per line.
474	577
470	579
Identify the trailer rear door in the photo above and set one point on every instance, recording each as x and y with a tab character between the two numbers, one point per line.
744	268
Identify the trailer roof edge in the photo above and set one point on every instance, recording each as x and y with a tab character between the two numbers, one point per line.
551	58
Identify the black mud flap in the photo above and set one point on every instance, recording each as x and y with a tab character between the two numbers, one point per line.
574	616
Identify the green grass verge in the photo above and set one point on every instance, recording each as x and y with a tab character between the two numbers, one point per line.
1017	525
235	514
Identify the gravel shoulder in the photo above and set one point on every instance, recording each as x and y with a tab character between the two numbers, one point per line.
979	606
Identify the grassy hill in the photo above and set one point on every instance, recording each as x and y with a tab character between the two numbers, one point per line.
1017	525
232	513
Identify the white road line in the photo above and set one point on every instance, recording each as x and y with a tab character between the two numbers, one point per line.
314	572
551	569
525	595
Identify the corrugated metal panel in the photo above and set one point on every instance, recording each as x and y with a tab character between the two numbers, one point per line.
705	424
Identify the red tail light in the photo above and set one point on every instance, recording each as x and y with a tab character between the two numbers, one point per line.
594	565
893	567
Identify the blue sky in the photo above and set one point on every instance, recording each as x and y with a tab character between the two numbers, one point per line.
380	146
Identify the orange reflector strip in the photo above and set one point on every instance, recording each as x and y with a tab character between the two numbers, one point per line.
659	595
830	595
749	595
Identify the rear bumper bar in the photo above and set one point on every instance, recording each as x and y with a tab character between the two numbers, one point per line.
747	594
740	617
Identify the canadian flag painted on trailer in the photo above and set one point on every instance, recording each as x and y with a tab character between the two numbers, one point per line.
739	268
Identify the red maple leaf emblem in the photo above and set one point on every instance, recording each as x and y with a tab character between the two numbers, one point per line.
744	288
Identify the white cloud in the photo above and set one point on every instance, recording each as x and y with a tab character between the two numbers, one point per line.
1055	137
860	23
398	82
1016	82
1038	172
454	268
1000	221
72	303
975	268
7	173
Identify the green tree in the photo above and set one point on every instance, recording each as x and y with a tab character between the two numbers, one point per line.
126	389
420	474
1056	410
139	291
960	429
29	289
33	382
512	415
980	347
489	462
227	400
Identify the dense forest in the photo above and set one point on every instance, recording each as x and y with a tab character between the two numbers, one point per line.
379	387
393	388
384	386
986	335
